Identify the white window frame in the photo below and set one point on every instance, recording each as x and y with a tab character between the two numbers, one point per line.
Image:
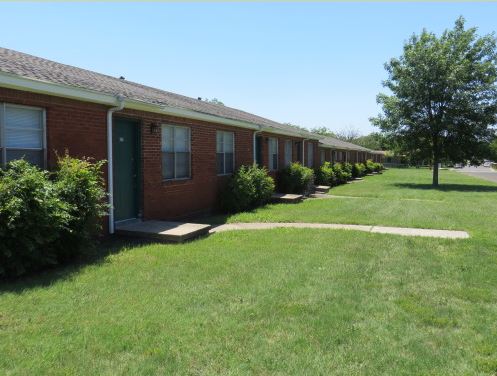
224	154
270	156
174	151
3	133
288	162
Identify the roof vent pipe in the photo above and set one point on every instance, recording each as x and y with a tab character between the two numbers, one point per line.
110	161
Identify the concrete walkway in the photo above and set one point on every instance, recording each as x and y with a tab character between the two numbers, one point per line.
404	231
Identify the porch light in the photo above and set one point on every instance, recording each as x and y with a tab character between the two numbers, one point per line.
154	128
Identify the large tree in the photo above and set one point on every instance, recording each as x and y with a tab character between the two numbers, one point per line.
443	100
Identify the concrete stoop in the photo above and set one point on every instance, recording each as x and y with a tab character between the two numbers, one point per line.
176	232
288	198
321	188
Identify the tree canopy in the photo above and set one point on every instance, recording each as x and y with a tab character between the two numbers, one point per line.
443	100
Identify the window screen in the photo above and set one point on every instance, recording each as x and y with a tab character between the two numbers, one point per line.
23	134
273	153
225	149
176	153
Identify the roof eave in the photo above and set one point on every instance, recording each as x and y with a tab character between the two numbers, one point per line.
17	82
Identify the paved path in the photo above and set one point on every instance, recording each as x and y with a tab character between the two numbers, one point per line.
486	173
405	231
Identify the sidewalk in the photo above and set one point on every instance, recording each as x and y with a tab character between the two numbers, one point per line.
404	231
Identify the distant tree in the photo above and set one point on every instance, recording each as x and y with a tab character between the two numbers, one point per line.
444	97
299	127
323	131
214	101
374	141
348	134
492	155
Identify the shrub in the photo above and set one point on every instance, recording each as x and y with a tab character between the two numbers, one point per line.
347	167
79	184
369	166
295	179
31	219
378	167
341	175
358	170
43	221
249	187
324	174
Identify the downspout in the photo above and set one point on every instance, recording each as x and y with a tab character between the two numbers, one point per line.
303	150
110	161
255	143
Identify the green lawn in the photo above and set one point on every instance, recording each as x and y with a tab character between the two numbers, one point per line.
396	198
282	301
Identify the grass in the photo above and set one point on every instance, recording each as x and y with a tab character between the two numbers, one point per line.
396	198
284	301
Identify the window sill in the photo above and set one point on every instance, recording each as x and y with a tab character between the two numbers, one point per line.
221	175
175	180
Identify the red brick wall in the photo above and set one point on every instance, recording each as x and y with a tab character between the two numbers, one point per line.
176	199
79	127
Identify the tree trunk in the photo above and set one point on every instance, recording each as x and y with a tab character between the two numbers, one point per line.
435	173
436	160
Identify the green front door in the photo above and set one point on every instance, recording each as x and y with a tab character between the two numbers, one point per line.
126	155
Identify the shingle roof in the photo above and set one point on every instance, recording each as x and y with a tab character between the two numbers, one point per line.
339	144
29	66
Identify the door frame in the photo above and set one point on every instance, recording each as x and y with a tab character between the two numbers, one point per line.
138	164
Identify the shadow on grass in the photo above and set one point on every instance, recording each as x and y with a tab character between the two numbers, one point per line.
449	187
49	276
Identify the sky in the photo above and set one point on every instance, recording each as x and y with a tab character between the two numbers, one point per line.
310	64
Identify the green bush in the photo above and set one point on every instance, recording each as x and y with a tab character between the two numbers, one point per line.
248	188
325	175
341	175
31	219
378	167
79	184
358	170
295	179
347	167
46	219
369	166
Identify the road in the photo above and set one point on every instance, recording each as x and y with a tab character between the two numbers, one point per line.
486	173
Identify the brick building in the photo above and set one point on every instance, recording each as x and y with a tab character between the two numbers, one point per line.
167	154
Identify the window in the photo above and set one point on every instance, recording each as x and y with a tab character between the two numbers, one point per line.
273	153
22	134
310	154
288	152
225	147
299	151
175	152
323	156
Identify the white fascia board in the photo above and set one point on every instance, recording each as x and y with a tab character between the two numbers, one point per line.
269	129
185	113
43	87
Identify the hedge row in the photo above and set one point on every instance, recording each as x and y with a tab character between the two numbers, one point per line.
340	173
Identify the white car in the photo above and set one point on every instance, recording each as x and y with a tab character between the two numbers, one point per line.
487	164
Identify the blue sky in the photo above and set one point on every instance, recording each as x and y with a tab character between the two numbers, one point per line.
315	64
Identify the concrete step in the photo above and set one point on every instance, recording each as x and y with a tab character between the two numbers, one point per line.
176	232
322	188
286	198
